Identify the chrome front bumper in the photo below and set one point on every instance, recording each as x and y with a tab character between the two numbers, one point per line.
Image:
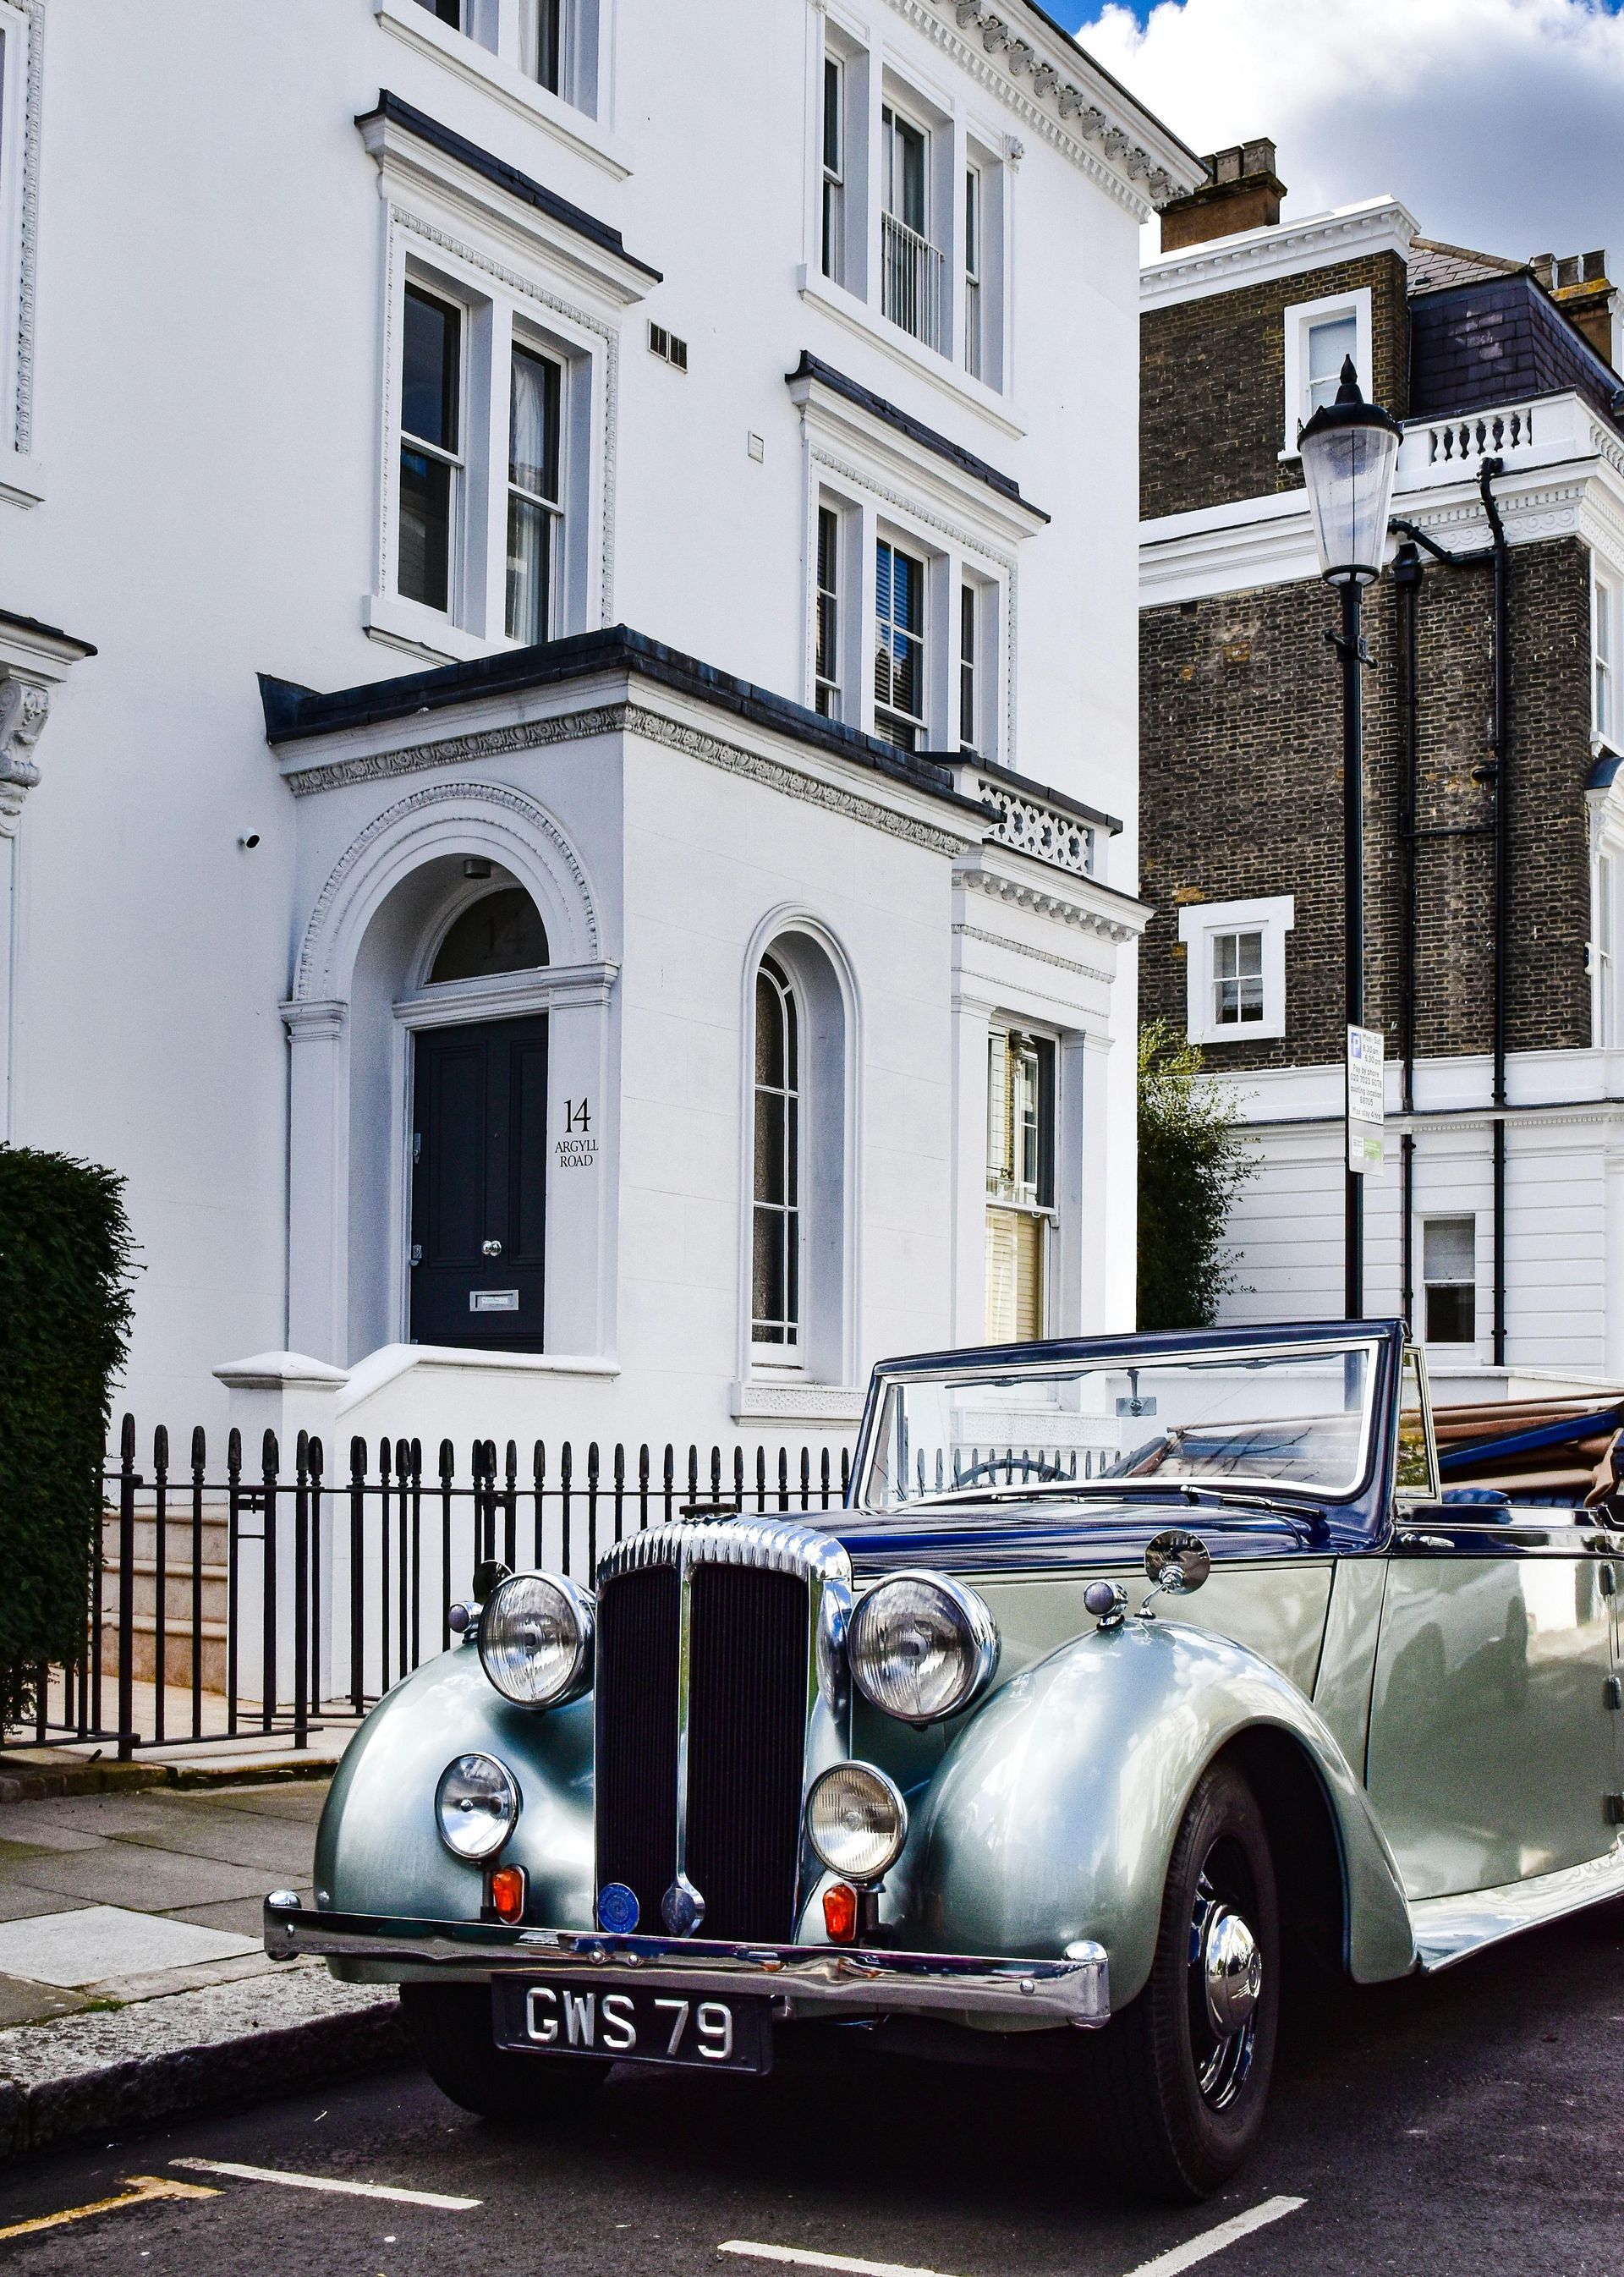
803	1980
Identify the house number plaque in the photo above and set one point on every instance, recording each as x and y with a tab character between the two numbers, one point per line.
577	1147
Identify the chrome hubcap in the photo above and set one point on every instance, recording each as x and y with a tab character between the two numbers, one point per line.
1233	1968
1225	1975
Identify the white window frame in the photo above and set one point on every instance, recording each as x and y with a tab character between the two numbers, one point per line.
831	694
1298	320
832	230
1605	951
486	54
21	478
874	79
1031	1206
1606	639
931	645
523	338
1451	1217
1200	925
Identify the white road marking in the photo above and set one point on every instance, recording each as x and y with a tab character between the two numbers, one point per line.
1165	2265
327	2182
1214	2240
808	2260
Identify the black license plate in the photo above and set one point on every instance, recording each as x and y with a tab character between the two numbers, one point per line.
640	2025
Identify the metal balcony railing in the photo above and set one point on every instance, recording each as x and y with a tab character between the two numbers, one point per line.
913	281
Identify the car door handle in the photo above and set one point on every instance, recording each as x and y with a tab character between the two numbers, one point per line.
491	1248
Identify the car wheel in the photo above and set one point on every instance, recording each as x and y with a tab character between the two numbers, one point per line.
1182	2075
451	2025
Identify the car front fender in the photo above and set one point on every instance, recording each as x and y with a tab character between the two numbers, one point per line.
1053	1816
377	1848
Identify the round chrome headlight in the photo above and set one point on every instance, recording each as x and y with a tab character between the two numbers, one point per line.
535	1640
477	1803
922	1646
857	1822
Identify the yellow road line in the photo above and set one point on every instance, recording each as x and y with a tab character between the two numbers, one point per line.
141	2189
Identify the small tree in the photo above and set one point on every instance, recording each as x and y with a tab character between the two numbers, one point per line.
1190	1166
64	1311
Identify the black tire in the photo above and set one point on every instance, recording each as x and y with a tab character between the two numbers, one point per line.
1179	2100
451	2024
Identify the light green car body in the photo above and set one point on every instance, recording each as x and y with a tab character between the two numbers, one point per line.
1428	1717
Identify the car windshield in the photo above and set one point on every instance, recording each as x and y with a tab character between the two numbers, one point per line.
1296	1418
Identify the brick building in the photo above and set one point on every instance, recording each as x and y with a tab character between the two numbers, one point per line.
1496	363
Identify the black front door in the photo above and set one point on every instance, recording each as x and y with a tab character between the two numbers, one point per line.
479	1184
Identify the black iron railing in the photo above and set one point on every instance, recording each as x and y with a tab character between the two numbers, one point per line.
277	1599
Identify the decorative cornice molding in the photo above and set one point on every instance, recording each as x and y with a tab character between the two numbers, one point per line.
1038	955
1067	908
1287	249
1099	144
621	718
755	766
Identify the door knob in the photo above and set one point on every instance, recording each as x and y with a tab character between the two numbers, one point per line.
491	1248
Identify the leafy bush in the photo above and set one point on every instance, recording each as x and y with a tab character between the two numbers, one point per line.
64	1311
1190	1166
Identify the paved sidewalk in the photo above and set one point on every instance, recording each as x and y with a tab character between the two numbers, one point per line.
127	1896
132	1979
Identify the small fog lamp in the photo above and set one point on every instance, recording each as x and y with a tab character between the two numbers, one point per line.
477	1803
857	1822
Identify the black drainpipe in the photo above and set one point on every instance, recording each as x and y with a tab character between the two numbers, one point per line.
1407	573
1500	773
1407	576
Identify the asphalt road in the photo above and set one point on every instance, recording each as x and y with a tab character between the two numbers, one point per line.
1470	2124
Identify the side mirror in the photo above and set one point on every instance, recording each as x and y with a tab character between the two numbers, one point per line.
489	1575
1177	1562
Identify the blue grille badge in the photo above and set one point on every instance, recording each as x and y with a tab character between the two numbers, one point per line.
617	1909
682	1909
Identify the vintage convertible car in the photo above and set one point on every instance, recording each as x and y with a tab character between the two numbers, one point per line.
967	1765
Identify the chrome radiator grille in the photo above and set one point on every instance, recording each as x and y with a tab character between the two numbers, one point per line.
705	1684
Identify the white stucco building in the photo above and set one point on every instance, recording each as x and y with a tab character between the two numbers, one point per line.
507	1020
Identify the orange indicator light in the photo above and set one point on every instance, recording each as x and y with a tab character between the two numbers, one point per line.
839	1913
507	1892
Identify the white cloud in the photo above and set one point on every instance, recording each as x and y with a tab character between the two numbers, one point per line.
1497	122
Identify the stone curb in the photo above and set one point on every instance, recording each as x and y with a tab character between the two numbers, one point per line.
20	1783
236	2044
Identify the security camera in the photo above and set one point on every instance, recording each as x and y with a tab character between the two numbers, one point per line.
248	841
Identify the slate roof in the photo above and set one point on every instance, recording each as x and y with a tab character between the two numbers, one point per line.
1499	338
1434	266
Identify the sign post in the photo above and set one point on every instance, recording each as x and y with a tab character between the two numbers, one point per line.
1366	1108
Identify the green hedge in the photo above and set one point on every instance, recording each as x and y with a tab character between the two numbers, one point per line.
1190	1164
64	1311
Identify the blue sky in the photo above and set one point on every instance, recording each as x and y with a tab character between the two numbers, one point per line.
1495	121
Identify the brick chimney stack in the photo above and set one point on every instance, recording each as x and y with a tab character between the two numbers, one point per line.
1243	192
1578	284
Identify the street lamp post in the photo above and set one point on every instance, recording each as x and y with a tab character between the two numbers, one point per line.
1350	455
